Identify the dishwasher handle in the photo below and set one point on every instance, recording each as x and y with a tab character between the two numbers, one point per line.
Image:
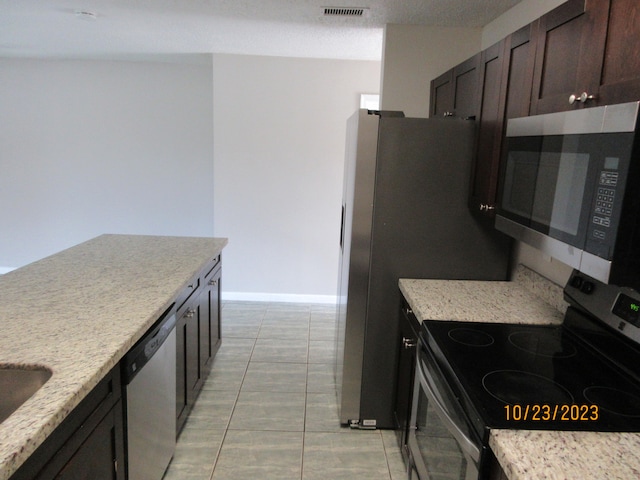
148	345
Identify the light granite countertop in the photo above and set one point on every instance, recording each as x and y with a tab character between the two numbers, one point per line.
77	313
478	301
553	455
527	454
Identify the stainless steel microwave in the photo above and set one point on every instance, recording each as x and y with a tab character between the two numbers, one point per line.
570	187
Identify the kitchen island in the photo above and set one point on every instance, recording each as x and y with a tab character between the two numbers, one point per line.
77	313
527	454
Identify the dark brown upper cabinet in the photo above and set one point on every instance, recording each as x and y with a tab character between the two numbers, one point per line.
561	47
490	122
583	53
441	99
517	73
506	71
454	93
587	55
615	31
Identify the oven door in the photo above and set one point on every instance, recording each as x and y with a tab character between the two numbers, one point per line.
441	442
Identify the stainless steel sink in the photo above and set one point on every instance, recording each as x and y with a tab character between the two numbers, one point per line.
17	385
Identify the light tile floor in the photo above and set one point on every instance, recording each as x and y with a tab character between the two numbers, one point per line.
268	409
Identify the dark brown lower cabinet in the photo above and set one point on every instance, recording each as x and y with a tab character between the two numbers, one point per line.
89	444
407	347
95	457
210	307
197	338
189	375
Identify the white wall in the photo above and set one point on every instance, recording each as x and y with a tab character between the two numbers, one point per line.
88	147
413	55
279	131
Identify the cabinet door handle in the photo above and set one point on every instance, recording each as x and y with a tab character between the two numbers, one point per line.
190	312
582	98
409	342
213	282
485	207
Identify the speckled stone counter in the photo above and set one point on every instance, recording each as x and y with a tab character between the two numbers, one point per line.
77	313
545	455
530	299
523	454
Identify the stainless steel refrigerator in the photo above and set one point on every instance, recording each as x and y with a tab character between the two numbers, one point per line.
404	215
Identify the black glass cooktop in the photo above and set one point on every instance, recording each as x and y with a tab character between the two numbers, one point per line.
539	377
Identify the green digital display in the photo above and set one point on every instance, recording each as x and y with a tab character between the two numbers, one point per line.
627	308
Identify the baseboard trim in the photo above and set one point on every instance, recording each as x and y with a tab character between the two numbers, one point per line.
278	297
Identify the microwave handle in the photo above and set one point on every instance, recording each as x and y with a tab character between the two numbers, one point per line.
466	444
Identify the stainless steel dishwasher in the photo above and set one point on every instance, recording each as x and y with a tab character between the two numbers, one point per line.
149	377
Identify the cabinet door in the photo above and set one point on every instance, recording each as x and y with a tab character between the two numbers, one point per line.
407	345
466	103
563	43
454	93
97	458
192	357
485	166
181	372
615	40
88	444
441	100
188	370
210	325
517	73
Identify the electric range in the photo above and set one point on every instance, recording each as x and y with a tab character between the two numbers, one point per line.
581	375
472	377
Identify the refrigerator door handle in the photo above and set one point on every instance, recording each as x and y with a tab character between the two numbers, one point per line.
342	228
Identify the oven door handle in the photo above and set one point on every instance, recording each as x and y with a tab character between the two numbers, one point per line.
466	444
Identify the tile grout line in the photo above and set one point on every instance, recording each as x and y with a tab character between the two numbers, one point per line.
306	396
235	403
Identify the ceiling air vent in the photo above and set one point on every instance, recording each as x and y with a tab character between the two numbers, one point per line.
344	11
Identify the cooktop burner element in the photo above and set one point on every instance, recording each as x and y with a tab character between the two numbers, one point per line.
471	337
614	401
542	343
518	387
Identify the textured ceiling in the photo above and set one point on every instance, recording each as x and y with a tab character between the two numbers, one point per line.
259	27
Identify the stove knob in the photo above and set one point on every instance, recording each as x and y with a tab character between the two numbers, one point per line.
587	287
576	281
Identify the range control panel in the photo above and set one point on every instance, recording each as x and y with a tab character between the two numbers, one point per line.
627	308
618	307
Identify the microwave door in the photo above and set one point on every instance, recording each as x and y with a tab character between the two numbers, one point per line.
520	174
545	183
561	206
569	206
